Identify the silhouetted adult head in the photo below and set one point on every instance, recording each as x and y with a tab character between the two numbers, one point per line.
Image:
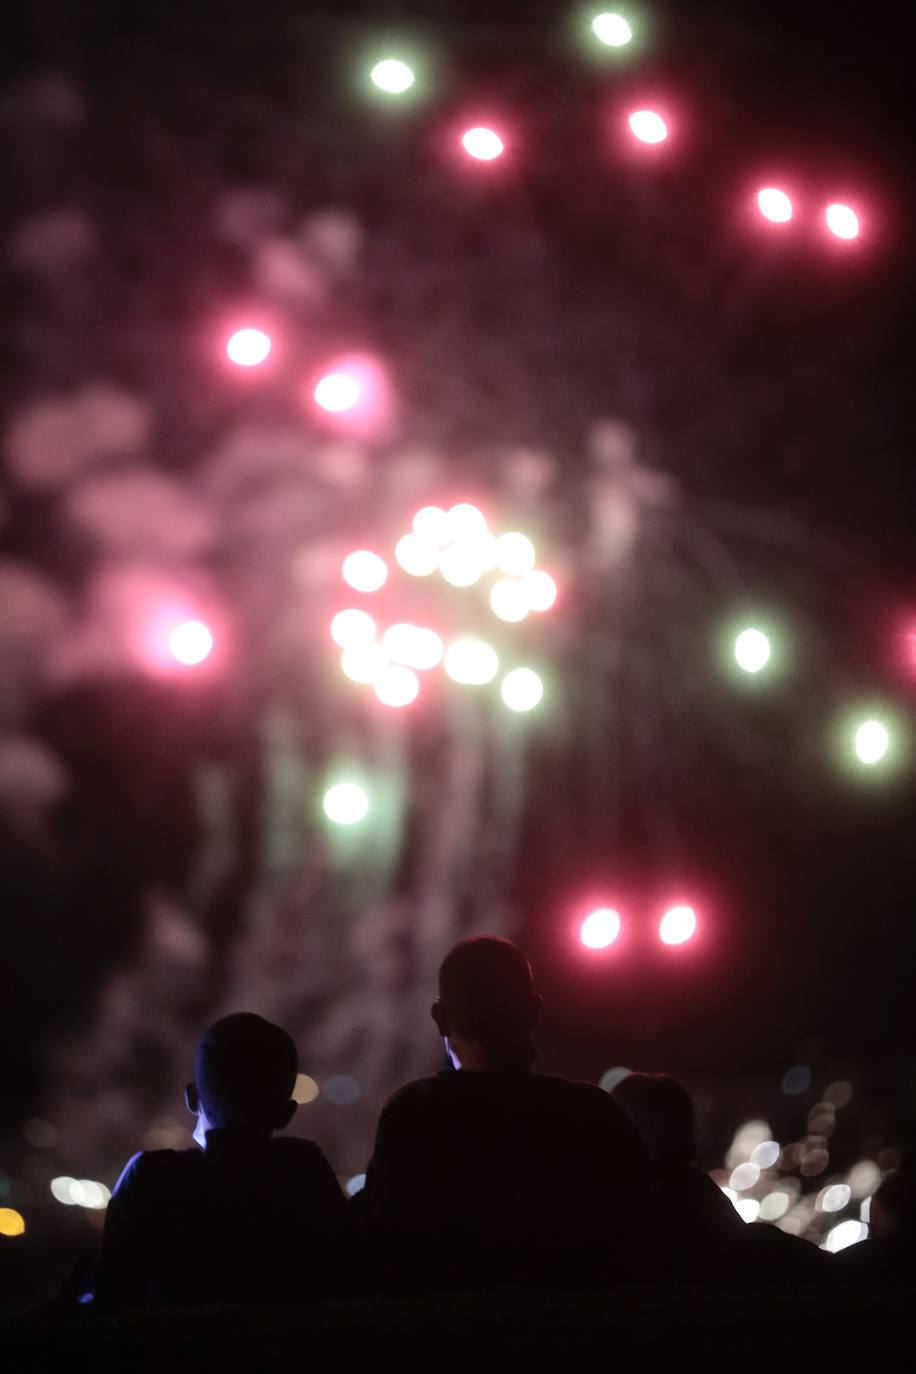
487	1007
244	1075
662	1111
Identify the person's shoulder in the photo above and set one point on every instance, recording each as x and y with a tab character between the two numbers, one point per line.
295	1152
151	1169
577	1094
416	1099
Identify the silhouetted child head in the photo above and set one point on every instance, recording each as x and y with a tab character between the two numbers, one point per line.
662	1111
244	1075
893	1207
487	1007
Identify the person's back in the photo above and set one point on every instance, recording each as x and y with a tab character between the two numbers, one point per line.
493	1175
247	1218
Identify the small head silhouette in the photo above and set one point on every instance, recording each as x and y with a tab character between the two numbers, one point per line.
244	1075
662	1111
487	1007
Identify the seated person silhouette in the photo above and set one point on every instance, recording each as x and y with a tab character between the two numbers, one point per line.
889	1253
246	1218
494	1175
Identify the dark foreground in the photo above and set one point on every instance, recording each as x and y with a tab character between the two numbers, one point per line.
684	1328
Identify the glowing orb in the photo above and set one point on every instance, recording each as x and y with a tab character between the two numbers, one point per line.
392	76
540	589
431	524
514	554
677	925
248	347
648	126
364	571
752	650
612	29
337	392
843	1234
364	662
600	928
465	522
397	685
346	803
352	627
522	689
416	556
460	564
413	646
12	1223
191	642
872	741
509	600
842	221
483	144
774	205
471	662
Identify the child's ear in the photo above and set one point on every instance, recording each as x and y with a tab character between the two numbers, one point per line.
191	1098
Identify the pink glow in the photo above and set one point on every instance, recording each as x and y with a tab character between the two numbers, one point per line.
648	126
191	642
600	928
678	925
483	144
774	205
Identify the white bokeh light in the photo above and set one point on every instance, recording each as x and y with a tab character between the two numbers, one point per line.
871	742
508	600
392	76
612	29
482	143
842	221
248	347
397	685
774	205
515	553
600	928
352	627
752	650
648	126
337	392
346	803
364	571
522	689
416	556
677	925
471	662
191	642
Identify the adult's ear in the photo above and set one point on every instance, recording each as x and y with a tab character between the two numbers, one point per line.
192	1098
437	1012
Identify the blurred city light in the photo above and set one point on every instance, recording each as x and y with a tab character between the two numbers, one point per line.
774	205
416	556
834	1198
364	571
842	221
346	803
600	928
482	144
414	646
774	1205
463	522
752	650
748	1208
396	685
460	564
796	1080
352	627
871	742
540	589
248	347
471	662
337	392
522	689
392	76
845	1233
648	126
612	29
431	524
305	1090
508	600
190	642
355	1185
744	1176
364	662
677	925
342	1090
12	1223
765	1154
515	553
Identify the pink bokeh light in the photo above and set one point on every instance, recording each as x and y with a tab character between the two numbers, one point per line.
248	347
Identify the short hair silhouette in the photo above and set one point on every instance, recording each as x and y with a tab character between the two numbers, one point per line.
486	992
245	1070
663	1113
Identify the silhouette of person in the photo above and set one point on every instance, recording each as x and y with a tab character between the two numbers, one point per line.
889	1252
494	1175
246	1218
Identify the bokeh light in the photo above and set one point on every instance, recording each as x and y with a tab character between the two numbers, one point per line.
248	347
774	205
540	589
190	642
364	571
431	524
515	554
612	29
396	685
337	392
748	1208
305	1090
796	1080
765	1154
342	1090
352	627
416	556
843	1234
835	1197
842	221
744	1176
392	76
413	645
460	564
471	662
364	662
346	803
600	928
872	741
508	599
677	925
12	1223
521	689
355	1185
752	650
482	143
463	521
648	126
